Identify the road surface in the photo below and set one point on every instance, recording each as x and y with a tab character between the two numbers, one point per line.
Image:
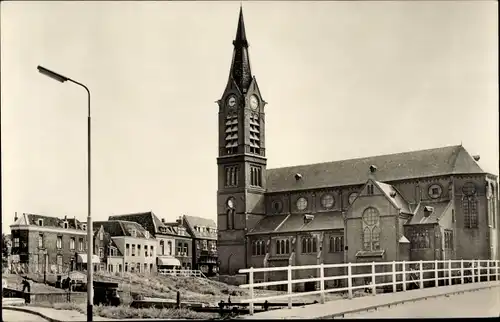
16	316
482	303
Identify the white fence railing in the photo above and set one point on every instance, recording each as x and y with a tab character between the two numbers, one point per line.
181	272
402	273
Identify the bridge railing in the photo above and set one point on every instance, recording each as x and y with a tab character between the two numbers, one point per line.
393	274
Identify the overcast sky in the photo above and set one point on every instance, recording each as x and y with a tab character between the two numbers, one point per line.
343	80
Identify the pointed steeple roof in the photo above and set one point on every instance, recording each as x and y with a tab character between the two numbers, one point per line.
241	37
240	66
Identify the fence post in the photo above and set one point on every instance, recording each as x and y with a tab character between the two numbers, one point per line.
250	277
393	276
349	280
322	282
289	286
478	270
421	273
497	264
374	284
404	275
449	272
436	281
462	271
473	271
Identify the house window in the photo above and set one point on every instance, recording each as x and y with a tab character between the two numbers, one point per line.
469	205
59	242
40	222
369	189
40	240
258	248
16	242
420	239
146	250
119	268
72	243
371	229
186	249
133	249
152	251
138	250
126	267
282	246
255	176
127	251
169	248
448	239
65	225
138	265
101	252
162	247
336	244
309	245
145	267
204	244
101	235
110	268
59	264
232	174
179	248
84	226
80	244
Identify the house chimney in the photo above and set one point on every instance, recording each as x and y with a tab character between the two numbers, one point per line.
373	169
298	176
65	217
393	194
476	157
15	216
163	220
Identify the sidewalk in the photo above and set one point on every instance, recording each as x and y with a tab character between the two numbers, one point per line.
335	308
54	315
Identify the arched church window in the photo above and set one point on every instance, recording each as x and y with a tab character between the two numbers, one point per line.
371	229
469	206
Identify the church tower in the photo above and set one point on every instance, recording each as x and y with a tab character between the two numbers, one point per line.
241	162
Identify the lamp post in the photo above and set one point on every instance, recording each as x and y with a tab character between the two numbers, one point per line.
90	284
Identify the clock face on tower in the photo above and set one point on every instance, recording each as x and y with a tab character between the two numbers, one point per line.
231	101
254	102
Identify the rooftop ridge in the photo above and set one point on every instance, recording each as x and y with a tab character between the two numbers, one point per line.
367	157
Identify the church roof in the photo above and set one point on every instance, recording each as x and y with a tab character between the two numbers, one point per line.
438	211
395	197
295	223
407	165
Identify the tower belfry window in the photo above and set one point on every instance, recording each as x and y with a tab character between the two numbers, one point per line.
254	134
231	134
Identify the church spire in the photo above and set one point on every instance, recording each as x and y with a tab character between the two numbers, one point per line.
240	67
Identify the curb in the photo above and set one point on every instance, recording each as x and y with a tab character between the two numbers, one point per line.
342	314
20	309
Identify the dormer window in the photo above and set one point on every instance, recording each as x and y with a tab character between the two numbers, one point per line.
40	222
146	234
65	225
84	226
133	233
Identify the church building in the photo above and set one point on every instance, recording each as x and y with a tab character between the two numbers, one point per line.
430	204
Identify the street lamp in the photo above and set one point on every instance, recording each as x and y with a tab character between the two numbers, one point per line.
90	284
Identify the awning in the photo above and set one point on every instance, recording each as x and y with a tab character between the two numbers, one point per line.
82	258
168	261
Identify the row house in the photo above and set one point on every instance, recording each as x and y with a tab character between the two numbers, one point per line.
43	243
166	255
190	242
129	243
